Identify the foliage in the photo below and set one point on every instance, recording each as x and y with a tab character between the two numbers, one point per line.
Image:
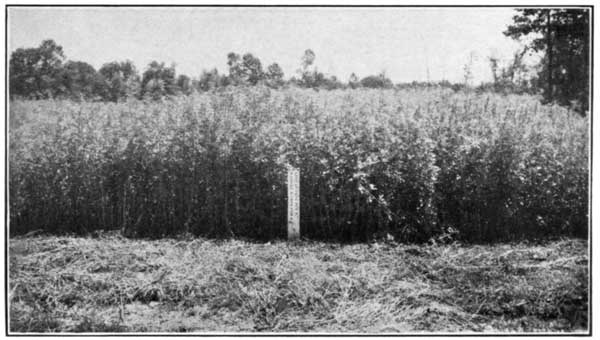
184	84
410	163
210	80
378	81
34	72
514	77
40	73
353	81
121	81
312	78
158	81
274	76
563	36
236	73
244	70
81	81
252	69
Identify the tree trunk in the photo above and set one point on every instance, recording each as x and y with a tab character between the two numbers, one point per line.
549	48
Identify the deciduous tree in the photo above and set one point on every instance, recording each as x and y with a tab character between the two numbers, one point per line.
121	80
35	72
81	81
158	80
274	75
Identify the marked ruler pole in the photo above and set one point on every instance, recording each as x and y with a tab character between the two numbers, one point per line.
293	184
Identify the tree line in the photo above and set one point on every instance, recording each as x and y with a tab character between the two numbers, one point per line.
562	76
44	72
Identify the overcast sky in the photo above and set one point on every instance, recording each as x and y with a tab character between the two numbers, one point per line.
403	42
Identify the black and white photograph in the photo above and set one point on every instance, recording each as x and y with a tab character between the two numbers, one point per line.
284	170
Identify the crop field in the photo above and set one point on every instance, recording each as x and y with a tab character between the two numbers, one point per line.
114	284
414	164
421	210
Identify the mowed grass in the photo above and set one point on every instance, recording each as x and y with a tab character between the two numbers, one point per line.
114	284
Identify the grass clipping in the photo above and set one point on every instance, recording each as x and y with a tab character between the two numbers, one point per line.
113	284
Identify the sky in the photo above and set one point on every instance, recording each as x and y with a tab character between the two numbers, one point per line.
402	42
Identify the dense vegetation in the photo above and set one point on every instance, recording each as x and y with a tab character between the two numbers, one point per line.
409	163
563	35
169	160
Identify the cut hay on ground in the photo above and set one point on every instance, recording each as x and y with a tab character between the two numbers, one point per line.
114	284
